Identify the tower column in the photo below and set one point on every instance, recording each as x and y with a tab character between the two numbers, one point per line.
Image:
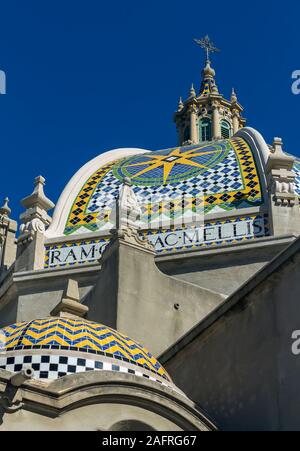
235	122
216	121
194	130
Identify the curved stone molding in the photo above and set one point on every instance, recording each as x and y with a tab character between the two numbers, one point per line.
256	141
66	199
77	391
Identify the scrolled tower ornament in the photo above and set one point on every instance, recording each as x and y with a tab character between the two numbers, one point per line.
35	219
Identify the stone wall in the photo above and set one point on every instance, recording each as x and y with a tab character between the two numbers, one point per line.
238	363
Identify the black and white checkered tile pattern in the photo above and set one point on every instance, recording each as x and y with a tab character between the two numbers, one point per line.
56	366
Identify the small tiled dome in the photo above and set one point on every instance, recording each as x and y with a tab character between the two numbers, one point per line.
56	347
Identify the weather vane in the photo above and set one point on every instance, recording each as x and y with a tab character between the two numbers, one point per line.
207	45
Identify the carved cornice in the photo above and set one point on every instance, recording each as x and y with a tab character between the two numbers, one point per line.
131	236
192	109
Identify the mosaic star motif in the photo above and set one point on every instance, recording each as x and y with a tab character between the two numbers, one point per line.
168	162
170	166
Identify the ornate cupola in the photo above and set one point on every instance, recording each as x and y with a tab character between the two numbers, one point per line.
207	116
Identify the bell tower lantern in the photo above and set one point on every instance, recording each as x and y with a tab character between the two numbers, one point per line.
207	116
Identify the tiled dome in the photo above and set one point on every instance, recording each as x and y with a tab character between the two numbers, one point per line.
223	174
56	347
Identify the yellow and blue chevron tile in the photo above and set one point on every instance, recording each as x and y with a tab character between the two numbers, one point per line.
80	334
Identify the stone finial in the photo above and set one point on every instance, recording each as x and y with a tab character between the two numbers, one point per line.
180	105
278	159
72	290
70	305
277	145
208	85
38	198
192	92
35	218
233	98
208	71
5	210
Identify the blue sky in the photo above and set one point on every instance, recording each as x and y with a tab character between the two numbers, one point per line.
87	76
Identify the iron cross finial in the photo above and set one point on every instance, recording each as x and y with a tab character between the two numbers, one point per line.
207	45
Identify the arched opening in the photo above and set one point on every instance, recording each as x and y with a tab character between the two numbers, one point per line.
225	130
205	133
